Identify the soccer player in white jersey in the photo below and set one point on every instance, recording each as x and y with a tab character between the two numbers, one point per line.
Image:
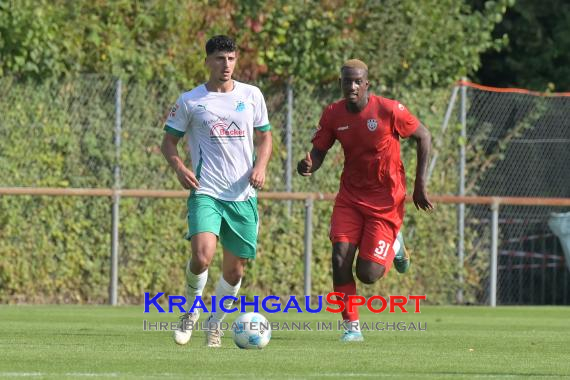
219	120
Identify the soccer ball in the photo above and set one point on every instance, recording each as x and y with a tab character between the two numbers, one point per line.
251	330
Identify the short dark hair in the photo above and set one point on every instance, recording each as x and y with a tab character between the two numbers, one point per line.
220	43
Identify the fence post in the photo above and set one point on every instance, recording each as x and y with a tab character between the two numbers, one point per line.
114	280
494	251
461	209
289	142
308	244
444	126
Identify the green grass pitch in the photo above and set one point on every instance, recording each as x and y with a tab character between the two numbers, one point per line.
55	342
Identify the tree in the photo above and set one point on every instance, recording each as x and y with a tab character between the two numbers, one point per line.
143	40
406	43
538	54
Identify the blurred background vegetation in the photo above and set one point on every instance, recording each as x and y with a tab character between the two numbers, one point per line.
59	62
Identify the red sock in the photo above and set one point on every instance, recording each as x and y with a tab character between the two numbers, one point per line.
349	289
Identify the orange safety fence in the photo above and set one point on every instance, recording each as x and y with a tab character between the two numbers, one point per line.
516	90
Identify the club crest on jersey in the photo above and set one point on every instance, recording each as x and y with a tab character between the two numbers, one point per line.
372	124
240	106
173	110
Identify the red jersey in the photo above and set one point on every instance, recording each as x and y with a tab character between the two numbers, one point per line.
373	174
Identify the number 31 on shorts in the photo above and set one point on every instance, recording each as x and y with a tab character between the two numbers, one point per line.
382	250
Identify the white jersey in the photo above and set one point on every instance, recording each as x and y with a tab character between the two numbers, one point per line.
219	127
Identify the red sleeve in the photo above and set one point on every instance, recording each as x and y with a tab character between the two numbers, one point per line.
405	124
324	137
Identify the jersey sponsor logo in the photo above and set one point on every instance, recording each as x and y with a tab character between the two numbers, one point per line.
240	106
343	128
372	124
221	133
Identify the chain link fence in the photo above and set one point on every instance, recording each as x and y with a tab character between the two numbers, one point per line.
63	134
515	144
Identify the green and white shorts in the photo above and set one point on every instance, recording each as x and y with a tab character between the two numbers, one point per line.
236	223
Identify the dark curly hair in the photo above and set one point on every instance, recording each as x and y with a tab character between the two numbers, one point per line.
220	43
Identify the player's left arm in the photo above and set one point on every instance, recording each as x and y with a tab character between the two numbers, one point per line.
264	146
423	147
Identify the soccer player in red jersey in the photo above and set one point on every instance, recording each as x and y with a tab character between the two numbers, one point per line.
369	208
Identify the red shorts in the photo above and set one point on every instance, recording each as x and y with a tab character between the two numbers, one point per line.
373	235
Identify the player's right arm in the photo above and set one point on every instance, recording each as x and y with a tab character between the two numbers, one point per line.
323	140
311	163
169	150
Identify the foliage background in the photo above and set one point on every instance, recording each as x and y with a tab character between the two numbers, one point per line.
58	68
538	55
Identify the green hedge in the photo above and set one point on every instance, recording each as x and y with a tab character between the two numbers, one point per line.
56	249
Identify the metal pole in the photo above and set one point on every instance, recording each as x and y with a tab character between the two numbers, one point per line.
532	273
554	270
461	209
114	281
448	112
289	142
308	244
565	282
564	297
494	252
543	278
